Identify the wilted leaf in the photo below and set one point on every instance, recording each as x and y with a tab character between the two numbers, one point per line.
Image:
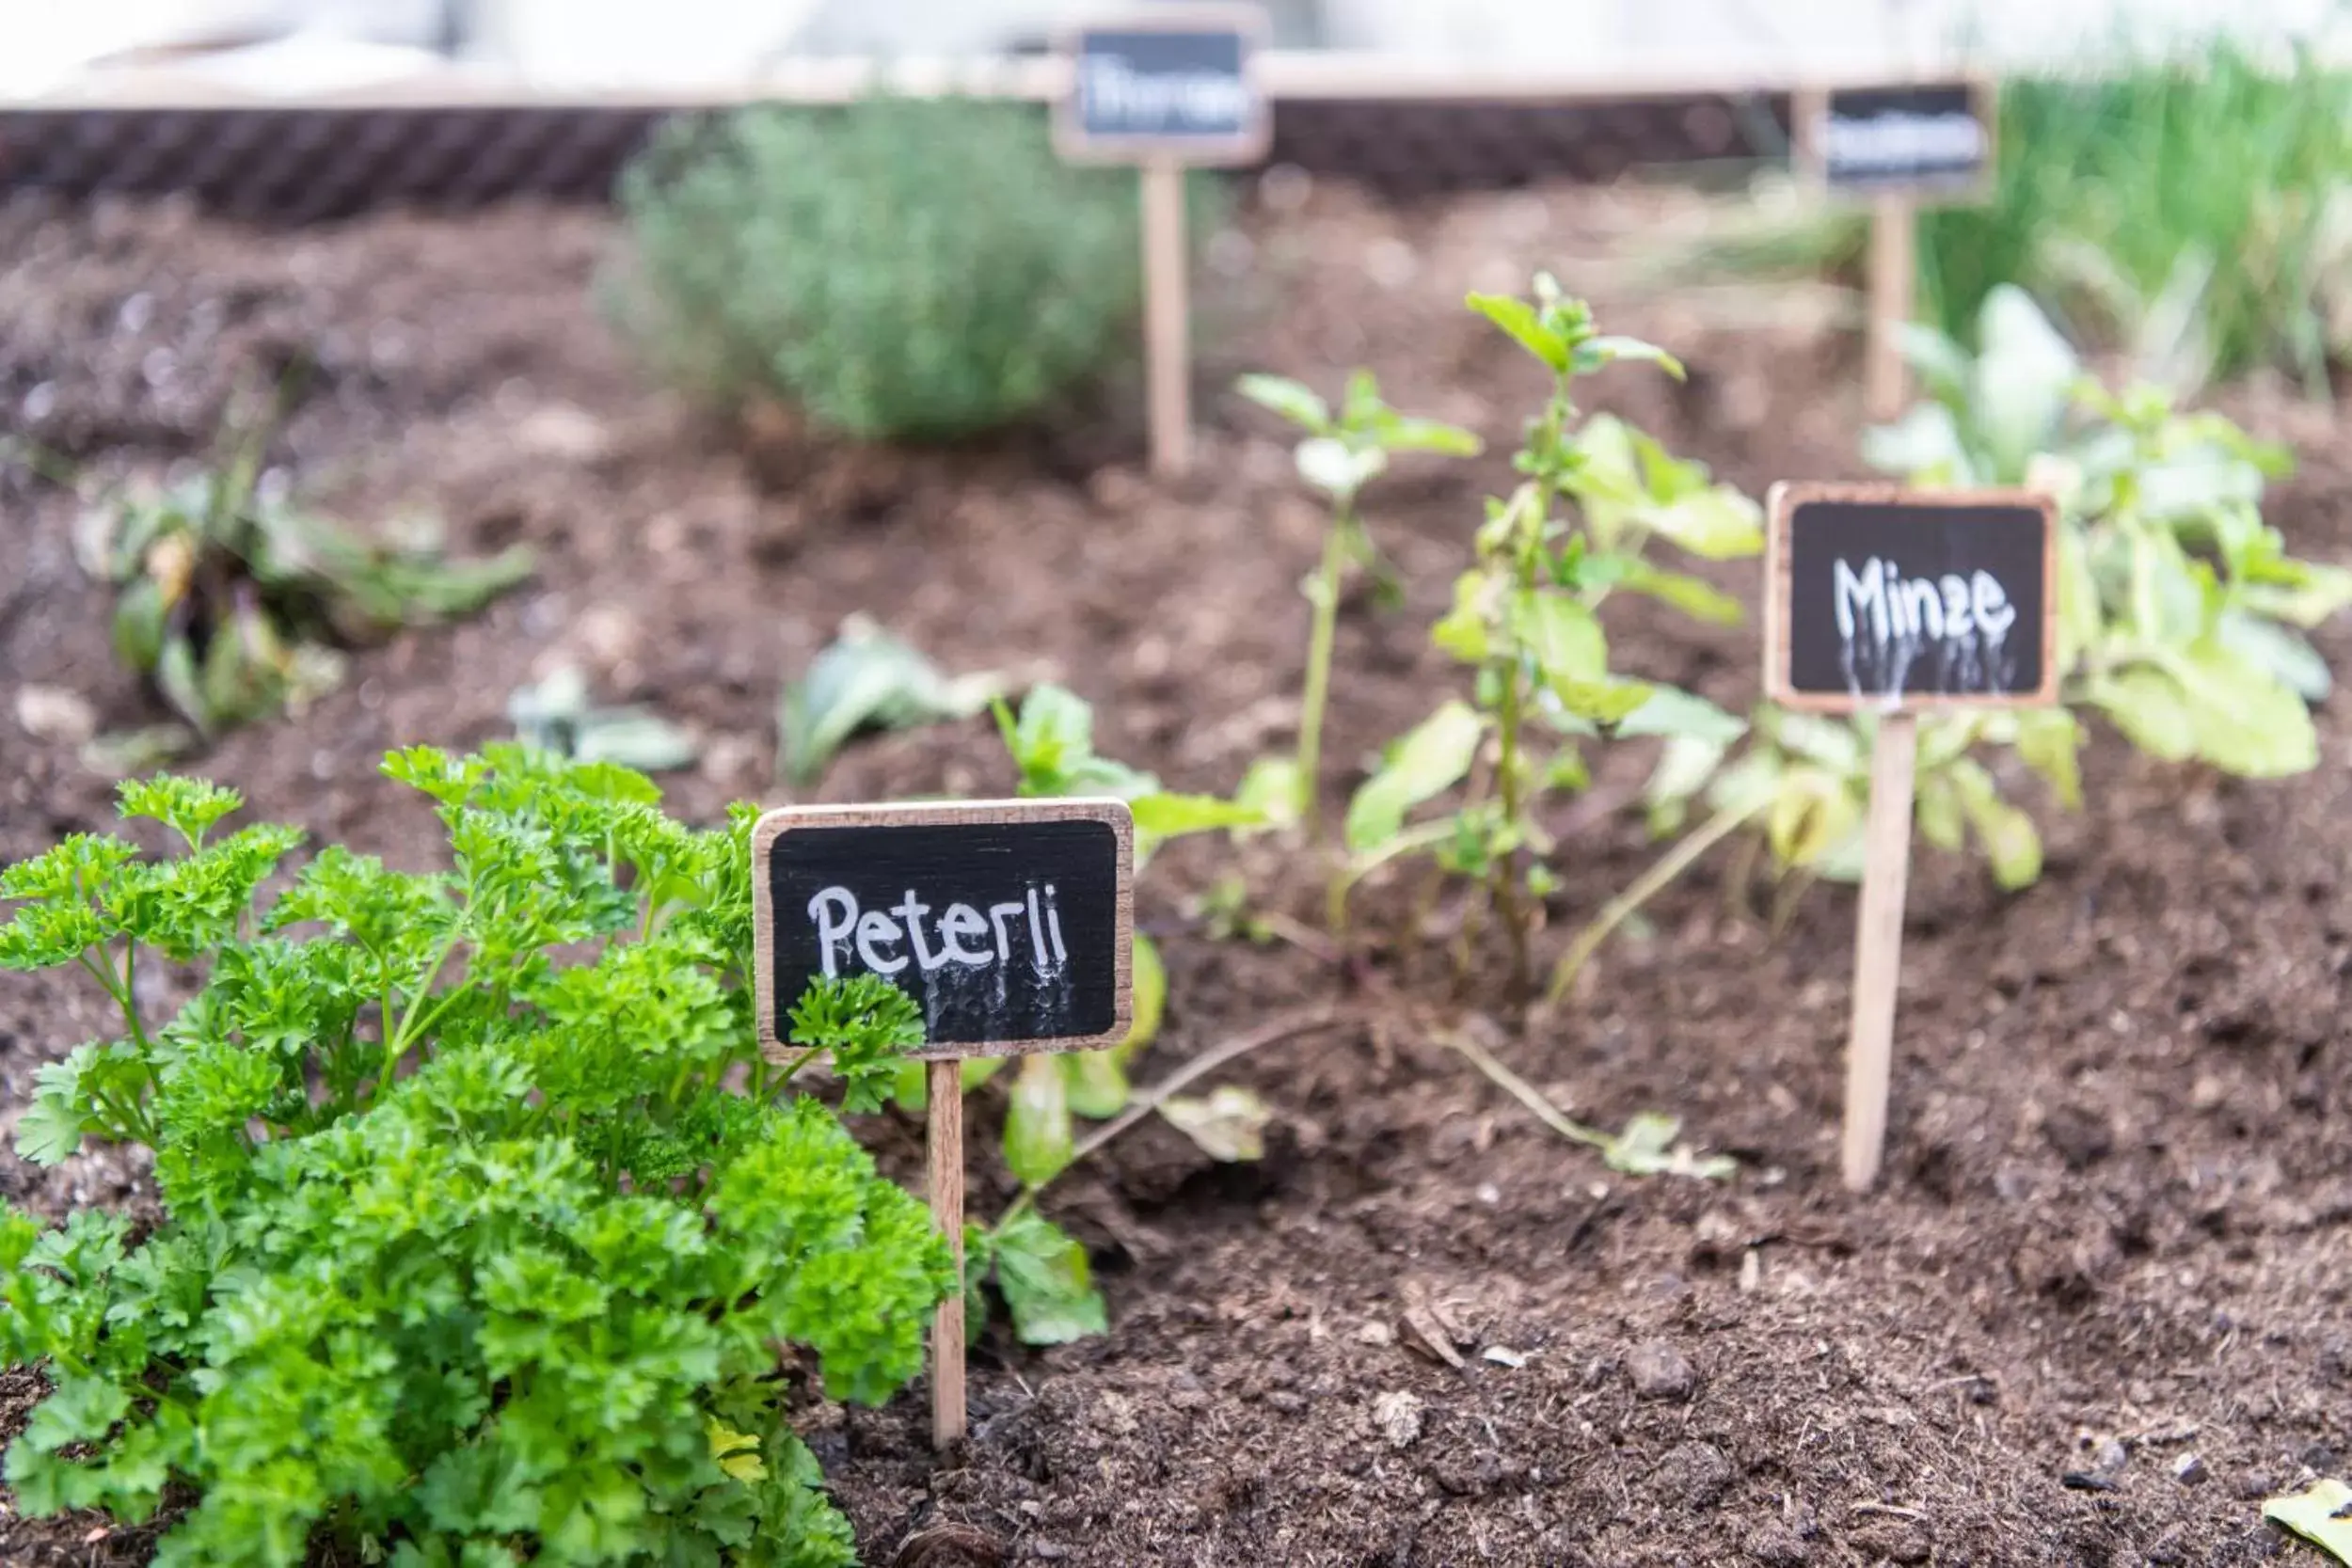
2005	834
1227	1124
1937	812
2050	742
1463	631
2319	1514
1647	1148
866	678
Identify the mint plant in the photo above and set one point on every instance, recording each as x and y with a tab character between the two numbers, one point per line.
1525	619
2182	616
1340	454
1797	784
485	1222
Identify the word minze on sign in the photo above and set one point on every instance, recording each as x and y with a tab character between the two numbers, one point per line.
1929	139
1174	83
1008	922
1879	597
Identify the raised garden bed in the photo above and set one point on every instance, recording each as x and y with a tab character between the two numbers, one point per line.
2117	1222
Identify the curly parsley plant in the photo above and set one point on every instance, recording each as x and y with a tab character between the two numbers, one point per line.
487	1237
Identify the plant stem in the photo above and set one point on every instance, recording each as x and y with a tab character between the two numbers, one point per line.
1420	836
1504	876
1524	1092
1312	703
1671	865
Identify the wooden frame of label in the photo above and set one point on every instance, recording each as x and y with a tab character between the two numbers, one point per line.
1808	111
1111	814
1074	145
1780	509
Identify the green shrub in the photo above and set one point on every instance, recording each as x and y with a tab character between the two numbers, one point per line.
896	267
521	1301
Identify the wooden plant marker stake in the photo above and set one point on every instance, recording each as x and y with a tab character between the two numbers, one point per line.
1899	146
1877	946
1012	924
1166	88
1894	277
1166	318
1892	601
943	1160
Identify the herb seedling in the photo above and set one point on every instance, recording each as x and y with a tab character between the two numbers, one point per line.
1341	453
235	604
482	1216
1525	620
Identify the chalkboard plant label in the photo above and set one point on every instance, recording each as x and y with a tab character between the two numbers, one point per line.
1926	139
1877	597
1008	922
1173	82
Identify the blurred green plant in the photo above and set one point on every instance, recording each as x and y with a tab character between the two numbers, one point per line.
235	604
2209	183
2182	620
1338	455
896	267
557	716
2182	616
866	678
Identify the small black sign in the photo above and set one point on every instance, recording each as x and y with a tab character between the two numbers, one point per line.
1878	597
1010	921
1930	139
1174	83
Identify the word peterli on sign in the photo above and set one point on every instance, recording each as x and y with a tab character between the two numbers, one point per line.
1008	922
1878	597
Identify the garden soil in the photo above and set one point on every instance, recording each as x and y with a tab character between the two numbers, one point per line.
2096	1311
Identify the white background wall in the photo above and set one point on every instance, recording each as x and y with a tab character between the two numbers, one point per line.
653	44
